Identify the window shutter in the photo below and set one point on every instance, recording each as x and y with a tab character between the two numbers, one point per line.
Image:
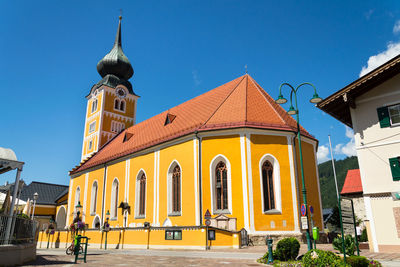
395	168
383	115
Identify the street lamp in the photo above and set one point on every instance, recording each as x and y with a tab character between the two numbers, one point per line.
294	110
35	197
78	209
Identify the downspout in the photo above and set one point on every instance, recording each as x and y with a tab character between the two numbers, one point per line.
104	191
200	185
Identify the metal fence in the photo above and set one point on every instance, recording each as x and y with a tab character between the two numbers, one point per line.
22	230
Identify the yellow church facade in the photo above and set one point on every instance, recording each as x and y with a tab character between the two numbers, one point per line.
231	151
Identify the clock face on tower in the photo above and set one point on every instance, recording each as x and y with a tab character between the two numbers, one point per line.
121	93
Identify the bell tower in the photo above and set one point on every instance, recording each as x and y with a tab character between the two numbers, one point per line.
111	103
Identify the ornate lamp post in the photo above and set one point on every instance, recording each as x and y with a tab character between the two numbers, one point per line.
295	111
35	197
78	209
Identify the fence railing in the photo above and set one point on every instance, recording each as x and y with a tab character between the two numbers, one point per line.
22	230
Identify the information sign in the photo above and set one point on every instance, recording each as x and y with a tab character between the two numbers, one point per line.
304	222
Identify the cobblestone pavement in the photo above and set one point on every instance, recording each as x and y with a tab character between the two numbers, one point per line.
145	258
222	257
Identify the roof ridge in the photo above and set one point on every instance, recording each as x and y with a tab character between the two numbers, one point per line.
262	93
223	101
47	183
247	93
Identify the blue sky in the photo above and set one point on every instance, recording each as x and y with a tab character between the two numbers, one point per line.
178	49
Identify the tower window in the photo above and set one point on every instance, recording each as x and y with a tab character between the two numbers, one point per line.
117	126
92	127
94	105
119	105
90	144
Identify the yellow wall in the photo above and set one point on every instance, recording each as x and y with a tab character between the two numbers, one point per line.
228	146
139	238
310	175
277	147
183	154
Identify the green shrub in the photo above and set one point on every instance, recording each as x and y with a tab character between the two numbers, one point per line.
357	261
287	249
23	215
349	244
364	236
264	259
317	258
374	263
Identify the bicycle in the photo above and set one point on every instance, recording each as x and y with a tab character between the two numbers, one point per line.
71	249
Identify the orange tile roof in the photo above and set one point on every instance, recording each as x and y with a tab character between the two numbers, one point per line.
238	103
352	183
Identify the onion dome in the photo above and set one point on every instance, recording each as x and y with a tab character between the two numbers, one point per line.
115	62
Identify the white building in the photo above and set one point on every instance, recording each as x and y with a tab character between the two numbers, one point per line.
371	106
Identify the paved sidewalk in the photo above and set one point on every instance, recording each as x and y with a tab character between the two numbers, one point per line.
137	257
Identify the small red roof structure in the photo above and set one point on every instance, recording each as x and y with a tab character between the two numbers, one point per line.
236	104
352	183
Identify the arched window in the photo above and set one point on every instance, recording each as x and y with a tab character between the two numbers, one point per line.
94	105
77	196
96	222
267	171
122	105
141	194
114	199
174	189
270	184
116	104
93	200
221	186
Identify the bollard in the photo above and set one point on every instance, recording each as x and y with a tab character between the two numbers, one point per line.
268	241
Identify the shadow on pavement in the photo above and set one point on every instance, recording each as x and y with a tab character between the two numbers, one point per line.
47	260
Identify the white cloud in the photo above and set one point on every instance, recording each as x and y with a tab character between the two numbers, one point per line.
369	13
322	154
348	149
393	49
196	78
349	133
396	27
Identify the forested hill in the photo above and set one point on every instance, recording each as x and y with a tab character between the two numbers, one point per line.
327	180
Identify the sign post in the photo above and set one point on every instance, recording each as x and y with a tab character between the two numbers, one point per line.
207	217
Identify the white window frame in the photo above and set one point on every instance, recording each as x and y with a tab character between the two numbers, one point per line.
119	105
113	205
390	117
94	105
137	195
171	167
92	127
277	184
213	165
77	196
94	220
93	198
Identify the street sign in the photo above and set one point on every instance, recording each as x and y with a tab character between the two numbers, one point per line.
311	210
304	222
207	215
207	222
303	210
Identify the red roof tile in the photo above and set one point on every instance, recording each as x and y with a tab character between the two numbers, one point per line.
352	183
238	103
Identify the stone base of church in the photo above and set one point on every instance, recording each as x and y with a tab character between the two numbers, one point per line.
259	240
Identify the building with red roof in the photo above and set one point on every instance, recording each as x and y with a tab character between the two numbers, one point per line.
229	153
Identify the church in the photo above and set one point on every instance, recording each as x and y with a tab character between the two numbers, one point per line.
223	161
